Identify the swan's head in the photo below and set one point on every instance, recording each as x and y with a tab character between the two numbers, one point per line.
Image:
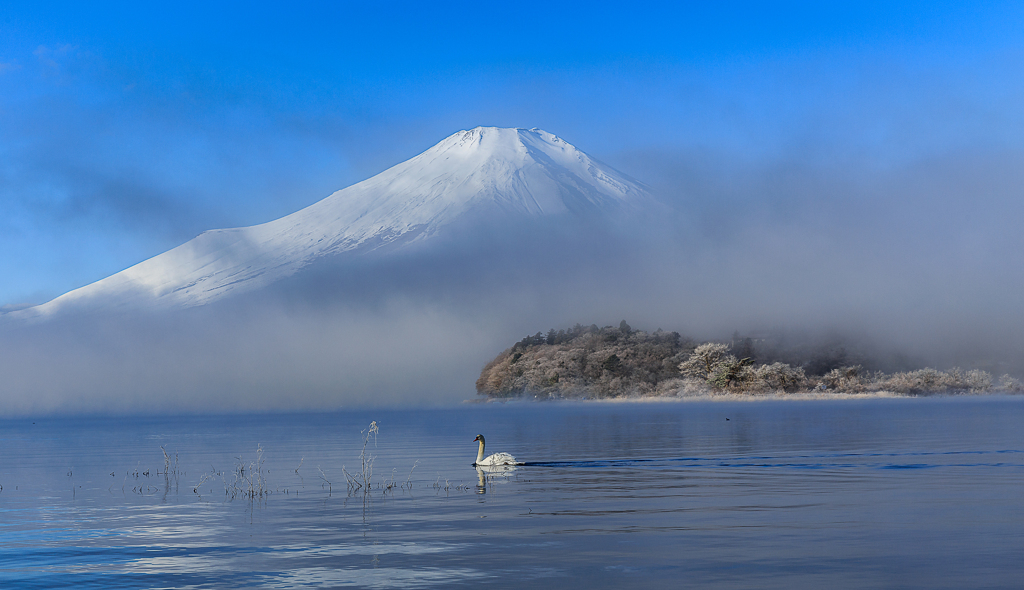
479	437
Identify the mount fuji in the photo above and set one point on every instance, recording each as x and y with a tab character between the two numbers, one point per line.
484	173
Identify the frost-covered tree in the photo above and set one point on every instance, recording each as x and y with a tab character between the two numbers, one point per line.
779	376
619	361
705	359
586	361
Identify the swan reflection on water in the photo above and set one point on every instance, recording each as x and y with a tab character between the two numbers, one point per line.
488	473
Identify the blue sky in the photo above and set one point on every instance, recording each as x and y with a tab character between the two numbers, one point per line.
128	129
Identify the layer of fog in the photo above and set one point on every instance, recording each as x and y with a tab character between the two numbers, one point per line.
914	266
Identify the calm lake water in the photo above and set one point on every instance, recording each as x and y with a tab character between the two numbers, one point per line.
902	493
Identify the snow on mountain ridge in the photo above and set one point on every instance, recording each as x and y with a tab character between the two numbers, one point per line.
489	170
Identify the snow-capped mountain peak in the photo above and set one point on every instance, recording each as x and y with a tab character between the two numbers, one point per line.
486	171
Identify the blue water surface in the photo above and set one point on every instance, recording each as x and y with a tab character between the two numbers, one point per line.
884	493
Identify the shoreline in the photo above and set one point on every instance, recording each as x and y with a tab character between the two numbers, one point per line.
747	397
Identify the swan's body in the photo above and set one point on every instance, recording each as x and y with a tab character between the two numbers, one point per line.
495	459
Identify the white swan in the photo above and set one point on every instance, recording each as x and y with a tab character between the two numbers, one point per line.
495	459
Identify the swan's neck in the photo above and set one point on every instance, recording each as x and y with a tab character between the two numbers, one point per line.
480	453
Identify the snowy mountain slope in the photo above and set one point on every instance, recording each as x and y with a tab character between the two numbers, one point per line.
487	171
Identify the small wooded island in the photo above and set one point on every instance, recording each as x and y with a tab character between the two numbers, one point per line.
588	362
